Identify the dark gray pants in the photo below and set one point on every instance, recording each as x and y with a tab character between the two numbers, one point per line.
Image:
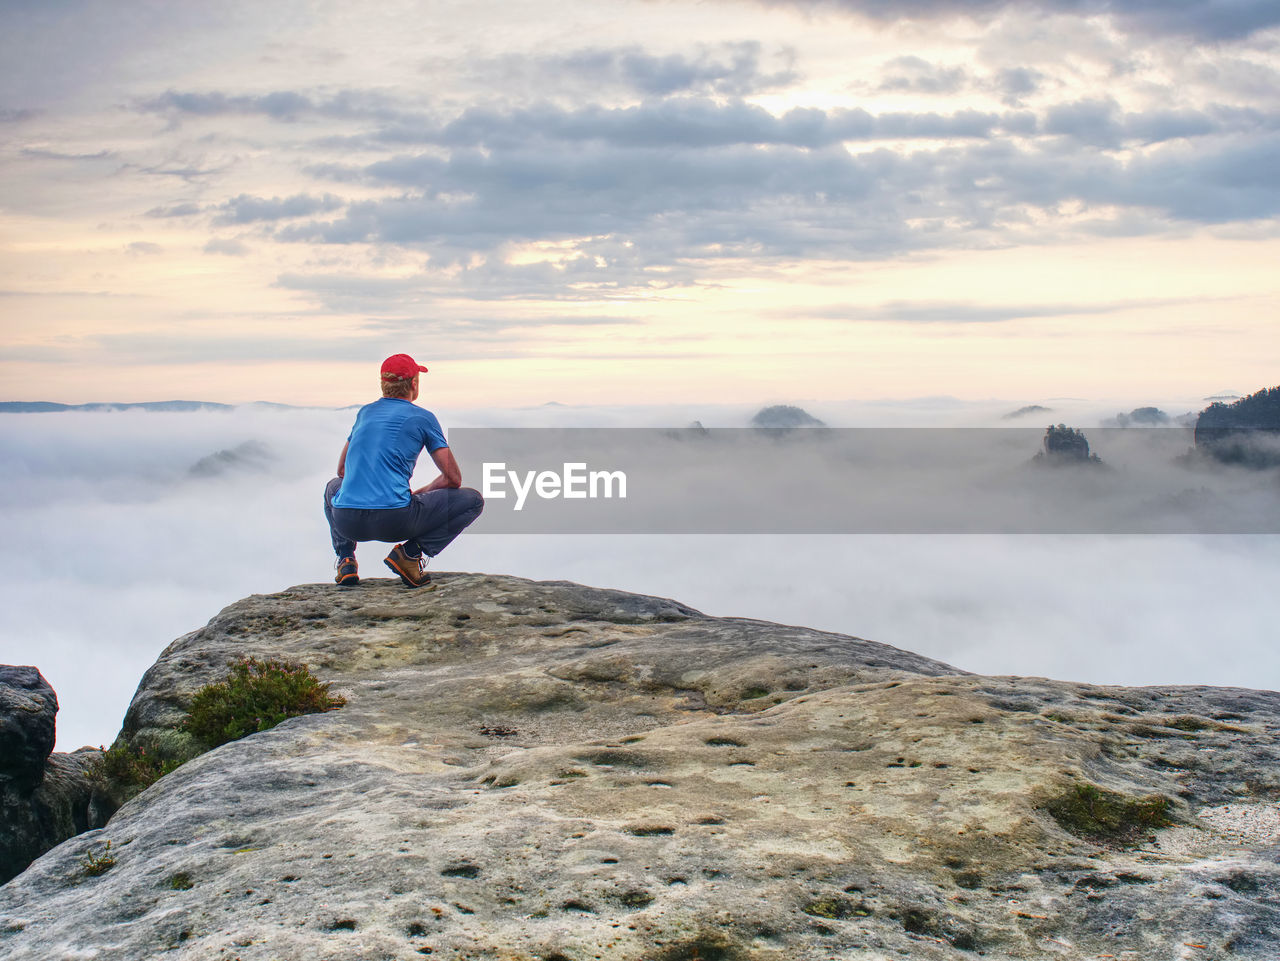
427	524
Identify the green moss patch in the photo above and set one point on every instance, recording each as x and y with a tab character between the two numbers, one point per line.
179	882
1106	816
832	908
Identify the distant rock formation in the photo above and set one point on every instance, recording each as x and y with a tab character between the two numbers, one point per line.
45	798
1025	411
1140	417
166	406
547	771
250	457
1244	433
784	415
1065	446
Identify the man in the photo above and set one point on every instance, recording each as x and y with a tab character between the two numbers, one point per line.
370	499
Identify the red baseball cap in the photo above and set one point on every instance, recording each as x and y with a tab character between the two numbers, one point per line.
402	365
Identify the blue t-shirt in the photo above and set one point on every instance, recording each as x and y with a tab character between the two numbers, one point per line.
382	450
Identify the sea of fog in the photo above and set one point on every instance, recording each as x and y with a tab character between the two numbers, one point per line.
116	546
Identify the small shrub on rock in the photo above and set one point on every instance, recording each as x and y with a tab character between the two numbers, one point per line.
257	696
95	863
133	768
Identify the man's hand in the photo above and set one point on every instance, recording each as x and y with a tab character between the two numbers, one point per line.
342	460
450	473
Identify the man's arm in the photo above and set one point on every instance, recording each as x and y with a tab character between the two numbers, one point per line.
450	473
342	460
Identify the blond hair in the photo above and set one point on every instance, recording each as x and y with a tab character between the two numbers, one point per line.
393	386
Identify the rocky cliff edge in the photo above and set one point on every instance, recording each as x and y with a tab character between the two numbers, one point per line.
529	770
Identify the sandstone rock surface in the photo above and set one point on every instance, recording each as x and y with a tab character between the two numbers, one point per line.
546	771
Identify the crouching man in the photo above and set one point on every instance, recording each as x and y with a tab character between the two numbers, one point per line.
370	499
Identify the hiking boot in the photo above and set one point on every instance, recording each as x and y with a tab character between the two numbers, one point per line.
412	570
346	575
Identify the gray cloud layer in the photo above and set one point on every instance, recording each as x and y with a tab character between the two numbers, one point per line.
710	178
1200	19
730	69
717	180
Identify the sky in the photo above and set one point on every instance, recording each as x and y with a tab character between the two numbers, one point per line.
634	202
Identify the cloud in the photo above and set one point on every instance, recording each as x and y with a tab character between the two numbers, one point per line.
691	122
188	172
729	69
64	293
280	104
641	196
53	53
248	209
967	312
754	185
704	198
1212	184
206	347
1202	20
144	247
456	333
1237	77
582	279
681	121
40	154
231	248
1100	123
915	75
176	210
245	209
1015	83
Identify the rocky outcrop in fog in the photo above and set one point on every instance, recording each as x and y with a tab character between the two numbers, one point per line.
1245	433
1065	446
781	416
45	798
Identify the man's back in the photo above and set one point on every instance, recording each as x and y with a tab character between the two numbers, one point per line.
382	451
